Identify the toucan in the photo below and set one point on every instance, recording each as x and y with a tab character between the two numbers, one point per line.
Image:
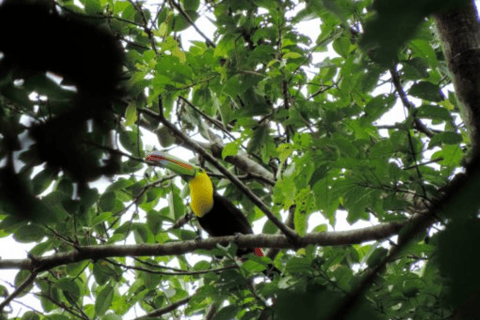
215	213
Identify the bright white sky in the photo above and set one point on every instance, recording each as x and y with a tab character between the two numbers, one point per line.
13	250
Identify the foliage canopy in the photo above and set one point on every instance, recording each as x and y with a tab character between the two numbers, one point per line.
295	118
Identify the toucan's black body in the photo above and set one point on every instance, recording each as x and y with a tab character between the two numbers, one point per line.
225	219
216	214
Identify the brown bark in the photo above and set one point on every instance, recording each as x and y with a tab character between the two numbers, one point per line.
459	32
39	264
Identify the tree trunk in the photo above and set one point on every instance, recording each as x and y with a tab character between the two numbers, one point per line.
459	32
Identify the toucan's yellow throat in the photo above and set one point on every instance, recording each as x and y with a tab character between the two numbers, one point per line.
201	188
201	193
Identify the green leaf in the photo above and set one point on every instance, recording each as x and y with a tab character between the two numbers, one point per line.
232	87
258	139
104	300
377	107
451	155
301	211
325	200
111	316
299	266
74	269
191	5
342	46
424	50
427	91
57	317
292	55
151	280
396	21
433	112
93	7
130	115
102	217
43	180
154	222
180	23
445	138
121	183
103	272
70	289
10	224
230	149
227	313
89	197
176	205
376	257
128	139
30	315
142	233
107	201
29	233
42	247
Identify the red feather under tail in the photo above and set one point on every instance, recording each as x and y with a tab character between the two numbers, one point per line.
259	252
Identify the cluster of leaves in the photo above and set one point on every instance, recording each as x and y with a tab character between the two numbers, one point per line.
317	134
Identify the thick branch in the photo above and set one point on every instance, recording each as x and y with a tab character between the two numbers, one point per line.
244	163
240	161
459	32
378	232
458	197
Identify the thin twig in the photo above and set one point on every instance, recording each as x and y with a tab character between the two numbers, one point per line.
247	177
187	17
19	290
101	16
215	122
407	104
462	189
212	310
147	30
170	308
62	305
115	151
181	273
423	163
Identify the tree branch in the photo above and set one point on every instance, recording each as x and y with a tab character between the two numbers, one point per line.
240	161
407	104
187	17
19	290
164	273
461	194
162	311
335	238
148	31
213	121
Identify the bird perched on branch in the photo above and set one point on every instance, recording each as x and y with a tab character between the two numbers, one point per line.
215	213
